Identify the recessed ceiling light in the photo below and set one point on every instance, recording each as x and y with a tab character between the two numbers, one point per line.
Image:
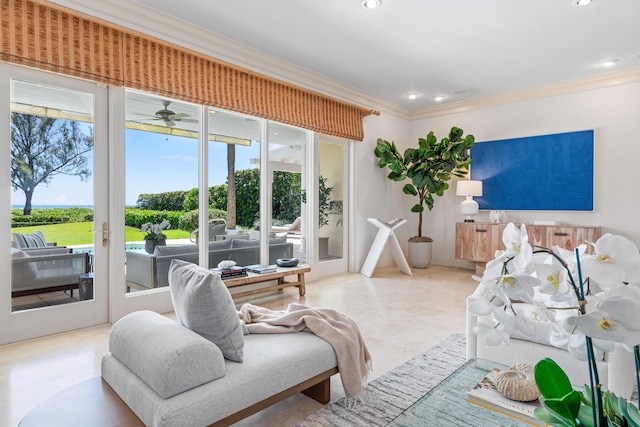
582	2
439	98
413	95
370	4
636	55
608	62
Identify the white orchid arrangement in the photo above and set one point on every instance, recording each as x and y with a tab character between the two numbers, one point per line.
154	231
553	281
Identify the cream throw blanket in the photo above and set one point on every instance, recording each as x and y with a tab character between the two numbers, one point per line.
354	360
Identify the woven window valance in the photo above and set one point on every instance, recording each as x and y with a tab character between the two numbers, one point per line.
53	38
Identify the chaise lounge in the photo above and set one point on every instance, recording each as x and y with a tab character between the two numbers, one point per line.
202	370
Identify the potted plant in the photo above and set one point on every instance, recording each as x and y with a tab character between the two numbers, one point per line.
153	235
429	169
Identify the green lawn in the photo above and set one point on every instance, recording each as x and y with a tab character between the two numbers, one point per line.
81	233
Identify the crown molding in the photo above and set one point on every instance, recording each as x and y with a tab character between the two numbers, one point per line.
631	75
139	18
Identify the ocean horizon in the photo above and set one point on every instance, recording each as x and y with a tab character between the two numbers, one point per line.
52	206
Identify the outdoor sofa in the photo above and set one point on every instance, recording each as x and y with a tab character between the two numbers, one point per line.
147	271
46	269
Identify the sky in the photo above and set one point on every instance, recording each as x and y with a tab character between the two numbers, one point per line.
154	163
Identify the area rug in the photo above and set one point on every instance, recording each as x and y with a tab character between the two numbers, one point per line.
388	395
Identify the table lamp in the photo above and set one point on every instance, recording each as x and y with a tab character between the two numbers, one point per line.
469	188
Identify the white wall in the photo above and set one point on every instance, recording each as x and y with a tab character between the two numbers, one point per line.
612	112
375	196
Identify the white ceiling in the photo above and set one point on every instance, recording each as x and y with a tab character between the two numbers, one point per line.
462	49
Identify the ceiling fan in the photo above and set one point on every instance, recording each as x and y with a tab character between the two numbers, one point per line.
169	117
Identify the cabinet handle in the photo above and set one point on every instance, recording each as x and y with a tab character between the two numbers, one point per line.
481	230
557	233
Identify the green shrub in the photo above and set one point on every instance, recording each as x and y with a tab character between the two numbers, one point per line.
168	201
50	216
134	217
217	198
189	220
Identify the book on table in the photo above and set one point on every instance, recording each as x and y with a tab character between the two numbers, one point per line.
261	269
486	395
235	271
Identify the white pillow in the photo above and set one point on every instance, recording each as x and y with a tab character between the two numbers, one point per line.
203	304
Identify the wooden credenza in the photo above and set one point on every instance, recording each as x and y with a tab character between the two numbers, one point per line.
478	241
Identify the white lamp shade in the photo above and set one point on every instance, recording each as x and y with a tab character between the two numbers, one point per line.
469	188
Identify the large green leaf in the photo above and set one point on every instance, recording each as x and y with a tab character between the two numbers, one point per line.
550	416
551	379
409	189
585	415
417	208
633	415
567	406
455	134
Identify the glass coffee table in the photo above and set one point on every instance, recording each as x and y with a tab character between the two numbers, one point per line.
447	405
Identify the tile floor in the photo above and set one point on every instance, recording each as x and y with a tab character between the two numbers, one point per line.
43	300
399	316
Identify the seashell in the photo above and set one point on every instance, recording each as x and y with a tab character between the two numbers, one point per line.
227	263
518	383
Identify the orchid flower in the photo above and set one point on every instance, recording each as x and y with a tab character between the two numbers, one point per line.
516	286
615	260
549	280
616	318
492	335
518	247
555	280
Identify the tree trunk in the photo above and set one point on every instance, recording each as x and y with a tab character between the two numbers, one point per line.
231	186
27	203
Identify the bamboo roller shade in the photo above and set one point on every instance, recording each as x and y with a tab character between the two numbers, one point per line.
40	35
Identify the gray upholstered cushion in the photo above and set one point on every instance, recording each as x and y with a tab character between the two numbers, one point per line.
217	230
220	244
168	357
189	249
35	240
175	250
24	271
203	304
277	240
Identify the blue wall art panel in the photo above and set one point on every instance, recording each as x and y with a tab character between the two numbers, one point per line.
549	172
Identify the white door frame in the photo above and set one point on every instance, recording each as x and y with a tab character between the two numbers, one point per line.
26	324
341	265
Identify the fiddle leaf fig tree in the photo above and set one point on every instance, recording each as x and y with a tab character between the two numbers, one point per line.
429	167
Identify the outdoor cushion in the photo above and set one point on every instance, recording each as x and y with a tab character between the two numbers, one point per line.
244	243
35	240
217	230
189	249
166	356
24	271
203	304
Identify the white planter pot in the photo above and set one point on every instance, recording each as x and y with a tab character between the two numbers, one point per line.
420	254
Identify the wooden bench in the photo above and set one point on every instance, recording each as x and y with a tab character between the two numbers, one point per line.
278	275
